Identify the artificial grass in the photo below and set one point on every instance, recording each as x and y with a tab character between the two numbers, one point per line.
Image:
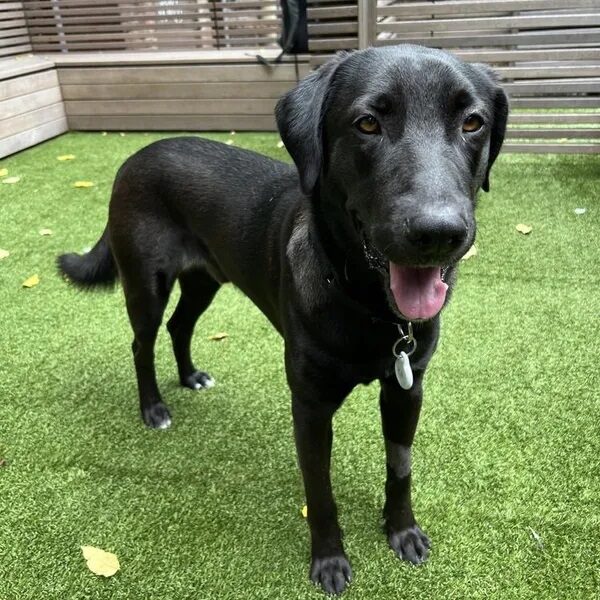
506	463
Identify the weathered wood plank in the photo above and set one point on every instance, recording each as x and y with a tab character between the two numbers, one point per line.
563	37
14	67
250	106
174	57
552	148
173	123
28	102
30	120
199	91
173	74
26	84
466	7
492	23
555	118
31	137
554	133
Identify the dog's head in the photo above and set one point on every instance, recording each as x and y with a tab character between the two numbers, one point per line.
398	140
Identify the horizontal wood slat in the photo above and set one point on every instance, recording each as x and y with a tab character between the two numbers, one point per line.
466	7
173	123
224	106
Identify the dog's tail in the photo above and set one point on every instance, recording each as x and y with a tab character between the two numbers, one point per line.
95	268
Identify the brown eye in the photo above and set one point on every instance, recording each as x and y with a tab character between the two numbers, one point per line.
472	123
368	124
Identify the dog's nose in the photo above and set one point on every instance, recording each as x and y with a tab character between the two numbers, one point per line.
437	236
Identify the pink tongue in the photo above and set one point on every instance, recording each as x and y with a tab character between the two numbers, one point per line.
419	293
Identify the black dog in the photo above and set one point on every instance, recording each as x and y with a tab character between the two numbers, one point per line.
348	257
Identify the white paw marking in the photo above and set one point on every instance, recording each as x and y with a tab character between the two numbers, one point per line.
209	383
165	424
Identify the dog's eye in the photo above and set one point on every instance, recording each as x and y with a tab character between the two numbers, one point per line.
368	124
472	123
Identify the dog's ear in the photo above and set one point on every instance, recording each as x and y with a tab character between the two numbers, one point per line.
300	114
498	131
500	109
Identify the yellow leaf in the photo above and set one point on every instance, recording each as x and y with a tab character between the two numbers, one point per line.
65	157
472	251
4	254
304	511
100	562
122	134
232	132
3	172
45	231
217	337
31	281
524	229
229	142
104	133
11	180
83	184
280	144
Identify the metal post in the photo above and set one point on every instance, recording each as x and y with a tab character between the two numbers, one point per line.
367	23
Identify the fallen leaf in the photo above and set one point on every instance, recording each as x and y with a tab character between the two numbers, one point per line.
3	172
83	184
3	462
45	231
217	337
304	511
232	132
472	251
280	144
31	281
104	133
100	562
4	254
524	229
11	180
229	142
122	134
580	211
63	157
536	537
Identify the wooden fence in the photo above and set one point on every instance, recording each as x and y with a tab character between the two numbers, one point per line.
127	64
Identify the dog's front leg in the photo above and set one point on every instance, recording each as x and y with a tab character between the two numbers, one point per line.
399	416
314	435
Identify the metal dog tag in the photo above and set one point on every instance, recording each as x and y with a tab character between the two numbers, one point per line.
404	373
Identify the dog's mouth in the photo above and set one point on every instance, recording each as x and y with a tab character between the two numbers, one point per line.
416	293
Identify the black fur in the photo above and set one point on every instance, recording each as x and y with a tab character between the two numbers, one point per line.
314	249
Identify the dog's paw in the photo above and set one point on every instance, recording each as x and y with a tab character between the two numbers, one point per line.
410	544
332	573
199	380
157	416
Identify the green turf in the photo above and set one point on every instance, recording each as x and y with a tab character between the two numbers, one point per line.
507	456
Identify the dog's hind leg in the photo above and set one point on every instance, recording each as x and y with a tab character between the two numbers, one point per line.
198	289
146	296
